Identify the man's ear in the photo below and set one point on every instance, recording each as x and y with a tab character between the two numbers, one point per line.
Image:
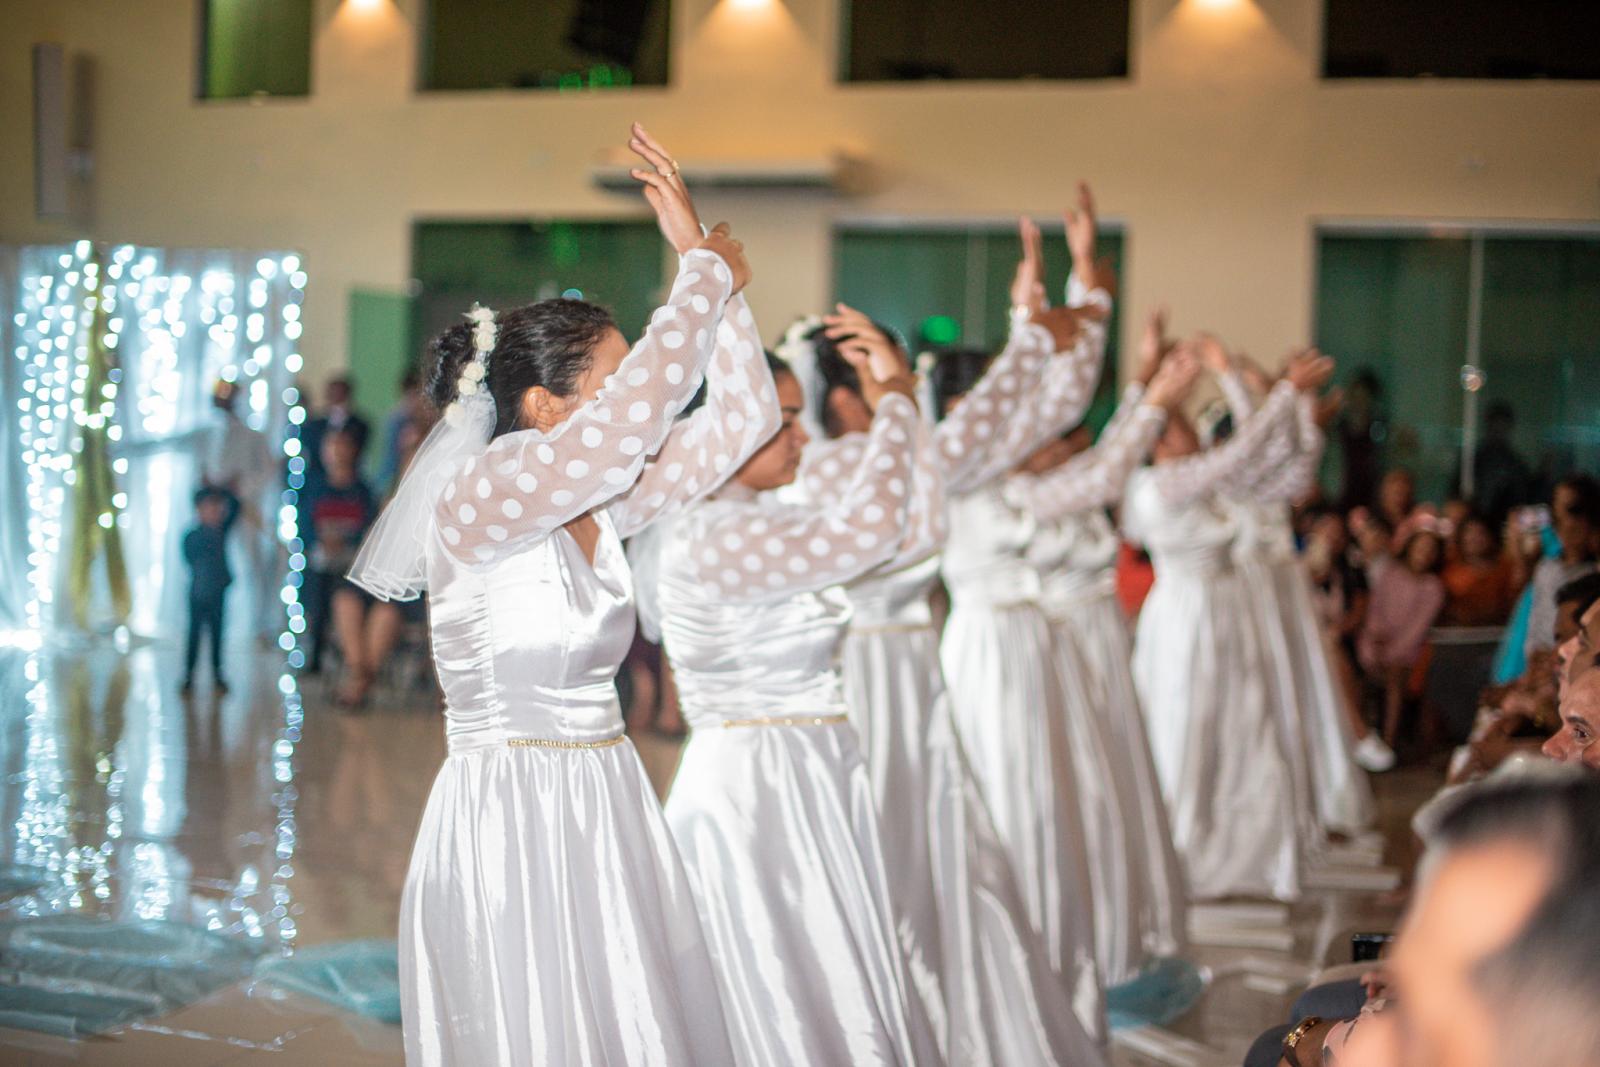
542	410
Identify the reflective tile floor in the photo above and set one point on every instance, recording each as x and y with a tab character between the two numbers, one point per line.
267	815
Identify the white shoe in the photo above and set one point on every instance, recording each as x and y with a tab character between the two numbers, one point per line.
1373	755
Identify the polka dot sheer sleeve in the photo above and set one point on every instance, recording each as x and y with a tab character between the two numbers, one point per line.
964	441
1096	478
739	415
829	465
528	482
1275	455
1182	481
775	549
1063	396
1292	479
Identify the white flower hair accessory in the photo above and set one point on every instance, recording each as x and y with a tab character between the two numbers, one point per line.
470	383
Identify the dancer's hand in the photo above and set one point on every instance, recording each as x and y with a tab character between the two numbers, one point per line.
1065	326
1081	224
1309	370
1027	284
666	192
863	355
1153	346
1171	384
1213	354
847	325
731	249
1328	407
1254	375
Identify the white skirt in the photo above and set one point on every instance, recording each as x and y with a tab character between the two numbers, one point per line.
974	957
1008	703
1340	791
1215	737
777	829
1140	904
546	919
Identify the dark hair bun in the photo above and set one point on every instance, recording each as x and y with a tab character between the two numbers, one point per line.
447	355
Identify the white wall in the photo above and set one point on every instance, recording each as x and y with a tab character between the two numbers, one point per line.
1218	154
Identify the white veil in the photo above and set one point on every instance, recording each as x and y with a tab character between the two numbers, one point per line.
390	564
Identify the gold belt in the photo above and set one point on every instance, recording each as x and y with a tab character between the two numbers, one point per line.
787	720
544	742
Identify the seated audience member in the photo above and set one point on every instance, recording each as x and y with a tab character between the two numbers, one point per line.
1407	597
1520	716
339	509
1477	577
1575	519
1339	591
1397	497
1498	960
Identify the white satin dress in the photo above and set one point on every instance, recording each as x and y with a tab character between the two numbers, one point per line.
1334	792
1200	670
1140	905
972	954
546	917
1009	701
771	807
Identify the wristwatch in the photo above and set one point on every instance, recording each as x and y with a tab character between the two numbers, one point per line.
1297	1035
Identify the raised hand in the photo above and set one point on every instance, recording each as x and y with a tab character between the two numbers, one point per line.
846	324
1027	284
1064	324
1254	375
863	355
1153	346
1081	223
721	241
1171	384
1309	370
1328	407
666	192
1212	353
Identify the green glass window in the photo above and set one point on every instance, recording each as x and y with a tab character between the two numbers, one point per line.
1400	311
255	48
506	264
943	285
553	44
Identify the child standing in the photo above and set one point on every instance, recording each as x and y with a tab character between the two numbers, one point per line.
205	551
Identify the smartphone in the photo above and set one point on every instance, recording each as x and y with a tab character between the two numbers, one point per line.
1367	947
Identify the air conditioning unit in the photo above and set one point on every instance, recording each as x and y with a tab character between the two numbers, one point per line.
835	173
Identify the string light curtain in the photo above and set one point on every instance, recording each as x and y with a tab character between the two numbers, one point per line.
115	351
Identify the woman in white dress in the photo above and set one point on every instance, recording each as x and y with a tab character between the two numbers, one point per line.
546	918
1138	887
1334	794
971	950
1199	667
771	807
997	656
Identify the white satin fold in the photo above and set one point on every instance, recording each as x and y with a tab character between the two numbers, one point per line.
778	831
1332	792
971	950
546	917
1202	678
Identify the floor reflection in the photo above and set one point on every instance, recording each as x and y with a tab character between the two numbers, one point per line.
269	815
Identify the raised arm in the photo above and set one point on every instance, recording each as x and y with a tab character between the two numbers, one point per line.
528	482
1065	389
965	439
1181	481
1292	479
749	554
700	452
1098	477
